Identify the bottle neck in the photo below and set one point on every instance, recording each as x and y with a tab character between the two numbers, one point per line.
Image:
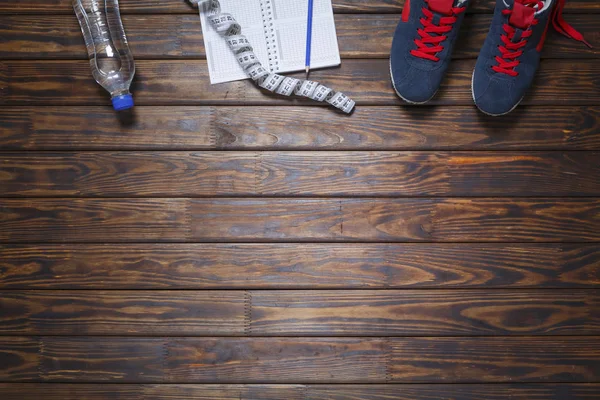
120	93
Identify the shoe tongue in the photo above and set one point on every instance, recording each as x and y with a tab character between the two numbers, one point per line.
443	7
522	16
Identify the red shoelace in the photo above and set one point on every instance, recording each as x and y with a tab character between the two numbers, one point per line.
432	35
563	26
522	16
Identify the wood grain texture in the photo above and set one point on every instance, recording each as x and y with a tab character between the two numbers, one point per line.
52	391
33	391
161	174
59	36
105	220
176	36
102	359
224	392
245	320
453	392
293	128
423	313
299	266
300	360
186	82
395	220
267	360
498	359
185	360
232	219
211	174
300	313
149	313
19	358
176	6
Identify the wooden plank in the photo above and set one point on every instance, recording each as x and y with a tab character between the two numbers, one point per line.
186	82
204	174
300	313
176	6
496	359
317	266
70	391
454	392
149	313
19	359
299	128
175	36
182	360
223	392
394	220
192	174
72	359
423	313
295	360
268	360
88	220
382	220
59	36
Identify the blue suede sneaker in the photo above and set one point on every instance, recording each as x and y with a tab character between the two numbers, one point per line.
510	55
422	47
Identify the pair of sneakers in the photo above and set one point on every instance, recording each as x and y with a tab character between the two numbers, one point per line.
506	66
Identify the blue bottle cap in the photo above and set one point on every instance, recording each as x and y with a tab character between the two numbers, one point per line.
122	102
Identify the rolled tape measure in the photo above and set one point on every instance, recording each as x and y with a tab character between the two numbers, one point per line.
231	31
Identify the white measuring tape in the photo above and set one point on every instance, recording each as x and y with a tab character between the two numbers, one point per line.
231	31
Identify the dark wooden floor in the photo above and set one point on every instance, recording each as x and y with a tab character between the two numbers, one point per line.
224	244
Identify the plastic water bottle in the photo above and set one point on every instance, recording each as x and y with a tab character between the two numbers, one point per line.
110	58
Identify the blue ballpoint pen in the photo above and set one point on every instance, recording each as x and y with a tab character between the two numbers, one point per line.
309	35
